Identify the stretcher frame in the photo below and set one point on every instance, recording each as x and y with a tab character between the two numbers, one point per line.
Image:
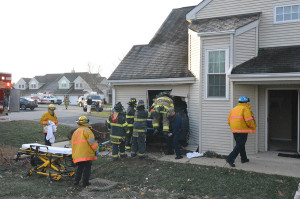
52	165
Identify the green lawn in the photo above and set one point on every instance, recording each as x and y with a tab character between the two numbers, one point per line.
103	114
136	178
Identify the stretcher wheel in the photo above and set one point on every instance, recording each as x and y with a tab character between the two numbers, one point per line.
57	177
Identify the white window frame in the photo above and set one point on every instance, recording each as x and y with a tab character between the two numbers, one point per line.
226	97
64	83
288	21
33	85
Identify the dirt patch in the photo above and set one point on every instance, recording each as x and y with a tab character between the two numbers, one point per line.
7	155
97	184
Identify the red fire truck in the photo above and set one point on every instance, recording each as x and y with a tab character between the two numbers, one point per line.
5	85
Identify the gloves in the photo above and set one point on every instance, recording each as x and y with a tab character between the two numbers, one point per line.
97	152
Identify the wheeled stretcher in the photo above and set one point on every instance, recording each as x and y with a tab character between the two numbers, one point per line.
54	162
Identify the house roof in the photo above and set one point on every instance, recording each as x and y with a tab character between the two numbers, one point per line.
166	55
47	78
27	80
226	23
272	60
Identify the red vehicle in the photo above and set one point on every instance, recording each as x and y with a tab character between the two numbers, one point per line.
5	85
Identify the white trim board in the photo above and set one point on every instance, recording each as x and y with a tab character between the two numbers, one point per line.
165	81
247	27
192	14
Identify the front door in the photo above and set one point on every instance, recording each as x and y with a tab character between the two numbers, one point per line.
283	121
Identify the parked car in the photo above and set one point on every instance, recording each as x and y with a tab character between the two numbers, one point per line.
97	105
27	103
80	101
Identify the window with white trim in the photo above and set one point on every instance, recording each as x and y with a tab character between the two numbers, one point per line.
289	13
33	85
63	84
216	68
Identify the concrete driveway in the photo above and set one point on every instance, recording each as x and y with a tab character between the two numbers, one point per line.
65	117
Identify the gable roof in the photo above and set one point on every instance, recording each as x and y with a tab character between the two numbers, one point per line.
166	55
226	23
272	60
27	80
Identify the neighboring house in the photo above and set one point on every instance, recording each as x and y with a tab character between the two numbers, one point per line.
234	48
72	85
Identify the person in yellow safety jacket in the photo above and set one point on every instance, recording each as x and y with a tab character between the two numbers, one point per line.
117	126
241	121
46	117
130	119
84	151
162	104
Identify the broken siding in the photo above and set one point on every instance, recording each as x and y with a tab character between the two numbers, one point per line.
245	46
194	113
124	93
270	34
216	134
251	92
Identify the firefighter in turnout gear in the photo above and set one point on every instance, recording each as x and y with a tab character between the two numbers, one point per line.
46	117
130	119
162	105
84	151
139	131
117	126
241	121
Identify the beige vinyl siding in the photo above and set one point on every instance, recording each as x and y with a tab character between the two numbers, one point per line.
194	113
245	46
216	135
124	93
262	121
270	34
251	92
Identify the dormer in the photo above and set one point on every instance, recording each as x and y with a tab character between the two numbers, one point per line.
64	83
80	83
33	84
21	84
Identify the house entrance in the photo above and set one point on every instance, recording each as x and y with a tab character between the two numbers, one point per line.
283	120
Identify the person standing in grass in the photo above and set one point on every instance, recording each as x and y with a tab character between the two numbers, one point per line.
66	102
241	121
45	120
84	151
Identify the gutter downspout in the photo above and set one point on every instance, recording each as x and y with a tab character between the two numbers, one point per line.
229	73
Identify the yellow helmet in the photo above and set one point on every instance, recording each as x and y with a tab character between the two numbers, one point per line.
82	120
51	107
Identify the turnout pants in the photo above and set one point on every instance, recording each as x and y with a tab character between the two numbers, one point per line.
138	144
240	139
47	142
84	170
118	149
128	139
165	120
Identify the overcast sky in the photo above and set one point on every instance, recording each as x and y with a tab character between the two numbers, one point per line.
54	36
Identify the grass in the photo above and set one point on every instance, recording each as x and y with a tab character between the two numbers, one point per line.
136	178
107	106
16	133
103	114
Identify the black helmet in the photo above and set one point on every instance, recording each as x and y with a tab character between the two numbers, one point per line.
132	101
141	103
118	107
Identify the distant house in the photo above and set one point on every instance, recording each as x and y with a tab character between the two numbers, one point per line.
215	52
72	85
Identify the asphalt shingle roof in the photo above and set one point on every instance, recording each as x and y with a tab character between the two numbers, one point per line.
223	23
166	55
272	60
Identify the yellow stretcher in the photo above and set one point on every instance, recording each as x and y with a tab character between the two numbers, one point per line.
54	162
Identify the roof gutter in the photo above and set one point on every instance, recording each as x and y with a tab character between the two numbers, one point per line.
165	81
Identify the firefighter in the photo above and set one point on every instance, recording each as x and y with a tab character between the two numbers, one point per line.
66	102
130	119
46	118
163	105
241	121
84	151
117	126
139	131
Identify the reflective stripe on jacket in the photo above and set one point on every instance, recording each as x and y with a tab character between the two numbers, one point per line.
117	128
130	115
84	145
47	116
140	121
241	119
165	101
